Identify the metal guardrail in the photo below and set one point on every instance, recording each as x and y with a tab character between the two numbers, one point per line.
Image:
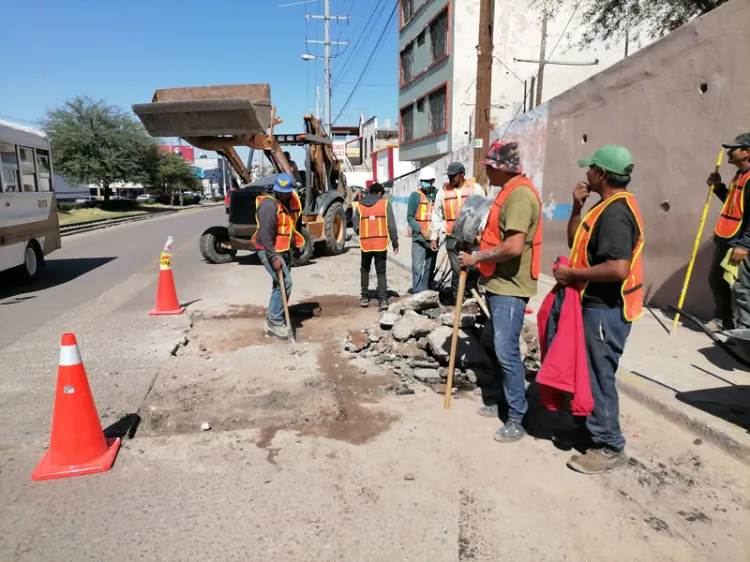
97	224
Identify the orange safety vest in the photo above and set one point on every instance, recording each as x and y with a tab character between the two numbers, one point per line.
733	211
492	236
424	213
632	287
373	227
286	221
453	200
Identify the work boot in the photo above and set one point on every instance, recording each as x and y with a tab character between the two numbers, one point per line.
383	305
364	301
489	411
511	432
276	330
718	325
599	460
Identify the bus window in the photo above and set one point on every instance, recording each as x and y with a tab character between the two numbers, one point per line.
44	173
8	167
28	169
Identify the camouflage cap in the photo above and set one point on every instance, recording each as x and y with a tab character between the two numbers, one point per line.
504	156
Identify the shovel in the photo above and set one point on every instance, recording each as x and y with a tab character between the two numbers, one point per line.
286	305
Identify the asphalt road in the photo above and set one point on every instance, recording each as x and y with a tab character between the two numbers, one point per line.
91	263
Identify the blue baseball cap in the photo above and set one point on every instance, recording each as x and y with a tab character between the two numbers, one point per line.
284	183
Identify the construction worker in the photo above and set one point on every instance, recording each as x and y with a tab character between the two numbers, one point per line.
295	169
276	216
448	203
605	267
732	234
419	217
375	225
508	259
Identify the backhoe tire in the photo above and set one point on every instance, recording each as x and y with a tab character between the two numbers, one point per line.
211	249
335	229
301	256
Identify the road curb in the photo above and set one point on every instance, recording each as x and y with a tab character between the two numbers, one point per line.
663	402
108	223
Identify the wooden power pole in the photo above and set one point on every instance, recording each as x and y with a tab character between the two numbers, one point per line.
542	60
484	82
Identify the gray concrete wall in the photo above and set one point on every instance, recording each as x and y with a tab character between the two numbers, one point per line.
652	103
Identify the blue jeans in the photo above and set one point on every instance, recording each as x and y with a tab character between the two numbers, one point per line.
606	332
507	323
276	304
423	261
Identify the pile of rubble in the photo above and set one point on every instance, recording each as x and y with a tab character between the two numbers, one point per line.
414	339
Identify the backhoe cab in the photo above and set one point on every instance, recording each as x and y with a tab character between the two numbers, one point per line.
220	118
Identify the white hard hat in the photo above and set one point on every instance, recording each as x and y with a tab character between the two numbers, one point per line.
427	174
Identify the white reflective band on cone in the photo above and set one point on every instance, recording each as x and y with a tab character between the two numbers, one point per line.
69	355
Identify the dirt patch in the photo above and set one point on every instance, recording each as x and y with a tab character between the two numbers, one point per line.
325	305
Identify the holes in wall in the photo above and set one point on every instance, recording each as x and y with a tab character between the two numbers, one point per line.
584	139
703	88
665	206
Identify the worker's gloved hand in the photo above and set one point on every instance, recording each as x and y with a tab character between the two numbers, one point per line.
277	264
714	179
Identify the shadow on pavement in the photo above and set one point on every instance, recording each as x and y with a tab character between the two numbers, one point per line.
55	272
124	427
730	403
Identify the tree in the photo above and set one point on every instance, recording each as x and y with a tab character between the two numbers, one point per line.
609	20
166	173
96	143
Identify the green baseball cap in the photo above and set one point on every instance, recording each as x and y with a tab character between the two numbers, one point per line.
612	157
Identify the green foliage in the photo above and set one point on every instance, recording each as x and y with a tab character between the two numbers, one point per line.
166	173
608	20
96	143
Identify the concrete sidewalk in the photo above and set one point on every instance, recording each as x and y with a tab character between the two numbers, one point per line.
683	376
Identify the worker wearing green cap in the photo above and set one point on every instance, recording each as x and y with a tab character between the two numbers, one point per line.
605	268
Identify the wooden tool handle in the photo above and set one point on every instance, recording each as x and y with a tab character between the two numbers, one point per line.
454	339
286	305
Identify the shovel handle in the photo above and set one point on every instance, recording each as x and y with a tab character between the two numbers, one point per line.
454	339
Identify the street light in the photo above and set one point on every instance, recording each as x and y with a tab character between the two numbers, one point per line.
308	56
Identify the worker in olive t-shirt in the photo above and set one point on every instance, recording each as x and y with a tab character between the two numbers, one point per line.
508	259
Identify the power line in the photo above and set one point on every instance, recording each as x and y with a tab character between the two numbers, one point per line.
552	52
361	35
369	62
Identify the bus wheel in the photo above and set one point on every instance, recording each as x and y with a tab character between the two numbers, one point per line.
28	270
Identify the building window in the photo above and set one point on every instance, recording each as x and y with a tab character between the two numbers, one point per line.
407	64
421	38
437	117
439	36
44	172
407	10
420	105
407	123
28	169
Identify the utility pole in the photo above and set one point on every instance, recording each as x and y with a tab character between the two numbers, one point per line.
542	61
484	82
327	17
317	102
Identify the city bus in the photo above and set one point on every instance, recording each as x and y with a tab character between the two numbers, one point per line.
29	229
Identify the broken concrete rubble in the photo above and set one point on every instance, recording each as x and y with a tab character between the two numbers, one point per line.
413	340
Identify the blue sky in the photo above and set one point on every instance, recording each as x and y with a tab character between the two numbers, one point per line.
51	51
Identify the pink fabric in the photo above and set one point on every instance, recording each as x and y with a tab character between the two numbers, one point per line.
564	365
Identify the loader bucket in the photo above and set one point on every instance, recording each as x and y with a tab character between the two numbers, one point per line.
208	111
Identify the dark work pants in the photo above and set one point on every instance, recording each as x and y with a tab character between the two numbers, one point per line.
423	261
720	289
453	248
606	332
380	261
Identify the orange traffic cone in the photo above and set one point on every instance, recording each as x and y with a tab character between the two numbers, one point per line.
166	294
77	445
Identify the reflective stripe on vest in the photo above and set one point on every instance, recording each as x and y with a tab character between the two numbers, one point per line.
733	211
453	200
286	221
373	227
632	287
423	215
492	236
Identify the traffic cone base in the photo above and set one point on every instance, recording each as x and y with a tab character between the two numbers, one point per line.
166	295
77	444
48	470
